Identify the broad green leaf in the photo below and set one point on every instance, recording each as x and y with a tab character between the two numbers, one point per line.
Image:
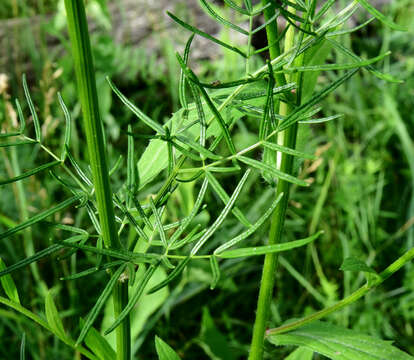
212	341
338	343
41	216
300	353
267	249
8	284
354	264
32	109
165	351
98	344
380	16
277	173
31	172
53	317
100	302
205	35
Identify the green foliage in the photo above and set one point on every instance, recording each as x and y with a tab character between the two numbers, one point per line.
339	344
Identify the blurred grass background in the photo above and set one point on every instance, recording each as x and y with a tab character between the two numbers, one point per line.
362	192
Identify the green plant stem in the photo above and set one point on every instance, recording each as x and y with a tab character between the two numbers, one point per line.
285	138
85	75
384	275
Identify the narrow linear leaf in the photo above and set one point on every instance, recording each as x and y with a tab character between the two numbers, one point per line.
68	126
380	16
53	317
321	120
78	169
221	20
8	284
36	123
236	7
92	270
275	172
21	117
23	347
225	198
205	35
17	143
212	229
225	131
39	217
165	351
251	230
107	291
117	254
301	110
171	276
289	151
133	299
158	223
215	271
268	249
182	83
39	255
326	67
31	172
144	118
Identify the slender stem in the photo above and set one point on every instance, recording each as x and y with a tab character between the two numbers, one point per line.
85	75
384	275
285	138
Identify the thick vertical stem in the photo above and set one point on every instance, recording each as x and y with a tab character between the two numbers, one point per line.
286	138
85	76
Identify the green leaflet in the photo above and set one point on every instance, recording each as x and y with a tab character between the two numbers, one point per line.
68	127
31	172
107	291
221	20
133	299
8	284
205	35
215	270
380	16
224	197
354	264
264	167
165	351
267	249
53	317
338	343
35	118
289	151
23	347
35	219
251	229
